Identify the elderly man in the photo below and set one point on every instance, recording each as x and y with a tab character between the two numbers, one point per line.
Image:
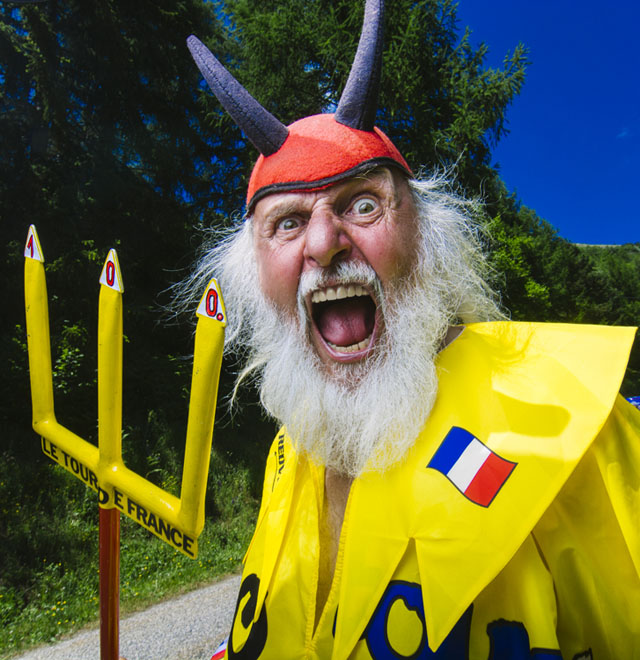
440	487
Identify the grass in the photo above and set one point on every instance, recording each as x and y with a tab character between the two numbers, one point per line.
62	594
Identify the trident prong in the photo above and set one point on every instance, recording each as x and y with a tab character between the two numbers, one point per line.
177	521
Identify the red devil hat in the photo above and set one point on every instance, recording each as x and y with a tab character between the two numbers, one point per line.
316	151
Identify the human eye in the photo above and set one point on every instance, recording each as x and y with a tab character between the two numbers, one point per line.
364	206
286	225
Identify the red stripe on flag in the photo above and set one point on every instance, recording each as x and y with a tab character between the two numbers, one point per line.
489	479
218	654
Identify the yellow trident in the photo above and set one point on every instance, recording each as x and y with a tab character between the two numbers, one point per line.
178	521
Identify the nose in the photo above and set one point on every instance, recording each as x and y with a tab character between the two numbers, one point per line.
326	242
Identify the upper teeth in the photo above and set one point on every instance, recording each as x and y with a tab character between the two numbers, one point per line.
338	292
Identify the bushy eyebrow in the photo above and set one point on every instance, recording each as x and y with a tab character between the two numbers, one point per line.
377	178
281	209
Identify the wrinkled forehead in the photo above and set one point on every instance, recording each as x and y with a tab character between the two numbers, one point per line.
388	182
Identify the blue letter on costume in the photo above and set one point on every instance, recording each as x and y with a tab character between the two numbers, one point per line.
510	641
377	636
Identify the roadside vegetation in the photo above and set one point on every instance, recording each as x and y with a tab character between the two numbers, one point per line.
61	562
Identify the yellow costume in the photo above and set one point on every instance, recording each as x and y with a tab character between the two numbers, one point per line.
512	530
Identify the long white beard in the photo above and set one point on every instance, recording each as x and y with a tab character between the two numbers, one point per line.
359	416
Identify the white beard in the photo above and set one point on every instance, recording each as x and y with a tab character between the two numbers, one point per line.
360	416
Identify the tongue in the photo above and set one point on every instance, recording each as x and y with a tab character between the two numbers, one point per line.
345	322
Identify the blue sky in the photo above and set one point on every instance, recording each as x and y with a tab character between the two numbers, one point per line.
573	152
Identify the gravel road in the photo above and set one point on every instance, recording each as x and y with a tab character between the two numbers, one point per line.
189	627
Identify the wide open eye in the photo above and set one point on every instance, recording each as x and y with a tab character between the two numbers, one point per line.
365	206
287	224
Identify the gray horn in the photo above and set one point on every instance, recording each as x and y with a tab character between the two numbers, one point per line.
265	131
358	103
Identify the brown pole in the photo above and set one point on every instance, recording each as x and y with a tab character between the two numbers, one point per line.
109	583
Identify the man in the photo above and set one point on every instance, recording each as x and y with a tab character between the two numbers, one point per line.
440	487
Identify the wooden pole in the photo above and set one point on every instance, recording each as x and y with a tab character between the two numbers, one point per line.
109	584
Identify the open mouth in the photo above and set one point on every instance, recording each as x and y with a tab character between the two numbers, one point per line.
344	318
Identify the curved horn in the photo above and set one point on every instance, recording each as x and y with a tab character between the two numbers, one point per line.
265	131
357	106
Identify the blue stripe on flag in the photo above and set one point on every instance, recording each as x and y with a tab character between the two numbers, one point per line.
450	450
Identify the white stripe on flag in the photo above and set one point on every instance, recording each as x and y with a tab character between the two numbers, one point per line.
470	461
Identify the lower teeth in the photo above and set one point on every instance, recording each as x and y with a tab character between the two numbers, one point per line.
353	348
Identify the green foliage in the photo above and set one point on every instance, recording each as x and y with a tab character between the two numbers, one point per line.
62	575
546	278
48	546
618	268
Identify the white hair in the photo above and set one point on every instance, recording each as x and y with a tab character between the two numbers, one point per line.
365	415
451	239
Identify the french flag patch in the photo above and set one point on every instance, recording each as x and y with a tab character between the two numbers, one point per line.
218	654
476	471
